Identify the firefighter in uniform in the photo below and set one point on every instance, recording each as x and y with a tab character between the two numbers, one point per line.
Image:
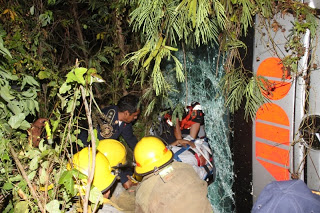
166	186
116	154
103	179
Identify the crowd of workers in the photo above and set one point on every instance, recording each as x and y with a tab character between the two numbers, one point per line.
171	169
167	172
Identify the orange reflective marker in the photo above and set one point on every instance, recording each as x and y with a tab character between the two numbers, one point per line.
279	80
272	123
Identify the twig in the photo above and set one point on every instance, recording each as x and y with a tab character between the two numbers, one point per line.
25	176
185	71
93	145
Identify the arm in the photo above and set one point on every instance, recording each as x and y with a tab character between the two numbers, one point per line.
129	137
177	131
194	130
183	143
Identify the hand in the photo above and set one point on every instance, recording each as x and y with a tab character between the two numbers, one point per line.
129	183
183	143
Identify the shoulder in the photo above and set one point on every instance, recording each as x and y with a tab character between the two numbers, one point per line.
109	108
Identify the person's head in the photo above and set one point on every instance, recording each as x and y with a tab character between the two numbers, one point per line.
150	155
129	105
114	151
286	197
103	177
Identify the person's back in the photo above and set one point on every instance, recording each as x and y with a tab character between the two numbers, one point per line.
181	190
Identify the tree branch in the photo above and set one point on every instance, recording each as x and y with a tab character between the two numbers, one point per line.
93	145
25	176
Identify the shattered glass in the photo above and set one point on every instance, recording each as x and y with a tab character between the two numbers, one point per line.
204	74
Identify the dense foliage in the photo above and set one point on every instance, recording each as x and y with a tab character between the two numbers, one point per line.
52	52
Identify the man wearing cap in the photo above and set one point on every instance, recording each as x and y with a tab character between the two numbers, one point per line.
291	196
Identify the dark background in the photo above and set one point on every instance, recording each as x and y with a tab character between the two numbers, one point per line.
241	146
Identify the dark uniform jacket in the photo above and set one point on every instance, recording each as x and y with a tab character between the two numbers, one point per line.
125	129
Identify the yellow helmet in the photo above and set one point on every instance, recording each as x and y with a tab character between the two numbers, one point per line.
103	178
114	151
151	154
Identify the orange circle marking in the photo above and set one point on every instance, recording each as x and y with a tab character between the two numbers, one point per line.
273	68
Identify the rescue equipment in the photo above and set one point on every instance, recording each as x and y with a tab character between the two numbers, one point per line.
150	155
103	178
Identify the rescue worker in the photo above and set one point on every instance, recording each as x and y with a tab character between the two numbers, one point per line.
103	178
116	153
116	121
166	186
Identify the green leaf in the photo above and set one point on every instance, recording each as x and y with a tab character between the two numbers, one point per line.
16	178
31	106
44	75
29	93
31	175
16	120
70	106
54	124
64	88
5	156
31	81
32	10
21	207
71	77
34	164
4	50
79	74
5	93
8	75
66	179
79	142
43	175
103	59
15	107
25	125
53	206
95	195
7	186
32	153
42	146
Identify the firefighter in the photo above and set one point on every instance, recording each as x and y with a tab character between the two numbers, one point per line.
103	179
116	154
114	151
166	186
